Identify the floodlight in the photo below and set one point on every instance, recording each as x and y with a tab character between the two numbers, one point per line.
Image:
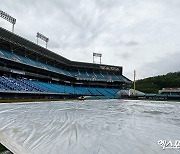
97	55
8	18
42	37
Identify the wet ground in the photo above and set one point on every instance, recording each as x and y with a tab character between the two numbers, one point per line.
97	126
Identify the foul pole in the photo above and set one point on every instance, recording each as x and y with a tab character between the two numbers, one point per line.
134	82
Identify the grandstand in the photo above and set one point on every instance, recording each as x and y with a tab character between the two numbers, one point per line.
28	70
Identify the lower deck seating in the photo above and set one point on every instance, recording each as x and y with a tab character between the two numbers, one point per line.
19	84
93	91
84	90
105	92
2	87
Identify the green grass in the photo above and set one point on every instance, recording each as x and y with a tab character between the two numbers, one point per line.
2	148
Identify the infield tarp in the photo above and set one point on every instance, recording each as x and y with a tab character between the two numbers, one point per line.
89	127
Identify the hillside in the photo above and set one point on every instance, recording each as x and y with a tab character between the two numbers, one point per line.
153	84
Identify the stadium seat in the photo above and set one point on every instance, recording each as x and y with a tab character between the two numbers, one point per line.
83	90
89	75
3	87
83	74
93	91
74	73
99	76
105	93
20	84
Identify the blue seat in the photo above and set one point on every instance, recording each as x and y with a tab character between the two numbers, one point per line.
83	90
105	93
93	91
19	58
99	76
3	87
91	75
74	73
84	75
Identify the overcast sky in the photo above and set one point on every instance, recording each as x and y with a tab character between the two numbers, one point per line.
137	34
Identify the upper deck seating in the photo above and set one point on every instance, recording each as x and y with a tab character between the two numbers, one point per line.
91	75
99	76
75	73
83	74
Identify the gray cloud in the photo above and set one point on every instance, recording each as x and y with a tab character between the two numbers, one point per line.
168	63
132	43
134	34
126	55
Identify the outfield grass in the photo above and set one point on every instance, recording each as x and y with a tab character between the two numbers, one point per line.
2	148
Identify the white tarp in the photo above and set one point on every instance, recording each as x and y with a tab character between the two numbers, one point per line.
88	127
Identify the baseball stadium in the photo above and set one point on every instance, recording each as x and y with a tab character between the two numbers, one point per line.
32	71
53	105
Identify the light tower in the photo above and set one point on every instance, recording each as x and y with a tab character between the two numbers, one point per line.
42	37
97	55
8	18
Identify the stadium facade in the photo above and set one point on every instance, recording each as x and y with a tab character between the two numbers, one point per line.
28	70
